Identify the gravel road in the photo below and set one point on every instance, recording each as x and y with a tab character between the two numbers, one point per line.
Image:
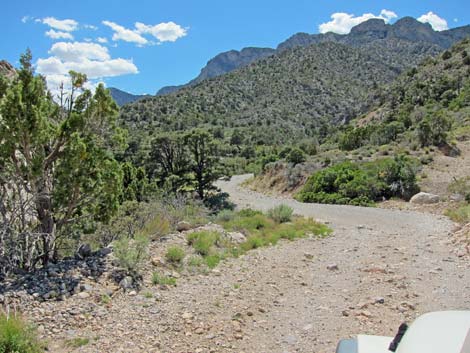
339	216
378	269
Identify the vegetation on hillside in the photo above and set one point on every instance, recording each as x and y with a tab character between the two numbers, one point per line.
427	107
295	94
361	184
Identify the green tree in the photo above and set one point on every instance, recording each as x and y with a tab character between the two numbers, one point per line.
56	163
203	160
237	139
135	183
296	156
169	161
434	129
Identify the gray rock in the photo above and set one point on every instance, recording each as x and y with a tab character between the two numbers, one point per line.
423	198
456	197
83	295
183	226
84	251
236	237
332	267
105	251
126	282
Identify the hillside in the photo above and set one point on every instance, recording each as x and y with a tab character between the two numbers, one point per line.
223	63
373	30
122	97
424	113
287	96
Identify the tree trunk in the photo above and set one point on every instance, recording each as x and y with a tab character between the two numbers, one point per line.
46	220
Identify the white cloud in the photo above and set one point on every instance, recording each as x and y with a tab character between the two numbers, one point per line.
387	15
67	25
125	34
89	58
92	68
54	82
342	22
58	34
25	19
77	51
102	40
92	27
437	23
164	32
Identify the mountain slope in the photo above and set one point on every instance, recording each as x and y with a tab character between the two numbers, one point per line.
223	63
373	30
283	97
122	97
437	85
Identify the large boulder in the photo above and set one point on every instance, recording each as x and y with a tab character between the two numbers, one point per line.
423	198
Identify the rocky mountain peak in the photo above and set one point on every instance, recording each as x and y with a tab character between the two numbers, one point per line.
6	69
372	25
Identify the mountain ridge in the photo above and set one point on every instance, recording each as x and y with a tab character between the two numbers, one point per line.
122	97
406	28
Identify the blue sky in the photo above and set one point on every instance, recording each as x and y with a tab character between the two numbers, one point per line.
140	46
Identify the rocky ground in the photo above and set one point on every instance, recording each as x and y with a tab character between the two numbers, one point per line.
379	268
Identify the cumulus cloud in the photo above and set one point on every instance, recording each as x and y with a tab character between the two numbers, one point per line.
58	34
125	34
91	59
77	51
164	32
102	40
436	22
25	19
67	25
342	22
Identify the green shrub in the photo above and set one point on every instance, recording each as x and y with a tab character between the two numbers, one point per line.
16	336
77	342
459	215
248	212
218	202
196	261
160	279
225	216
296	156
281	213
175	254
253	242
460	186
203	242
434	129
362	183
249	224
130	253
156	227
212	260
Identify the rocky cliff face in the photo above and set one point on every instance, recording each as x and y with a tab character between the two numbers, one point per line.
406	28
6	69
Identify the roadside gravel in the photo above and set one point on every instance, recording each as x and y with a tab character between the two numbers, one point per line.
379	268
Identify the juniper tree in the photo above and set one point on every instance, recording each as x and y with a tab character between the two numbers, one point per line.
56	164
